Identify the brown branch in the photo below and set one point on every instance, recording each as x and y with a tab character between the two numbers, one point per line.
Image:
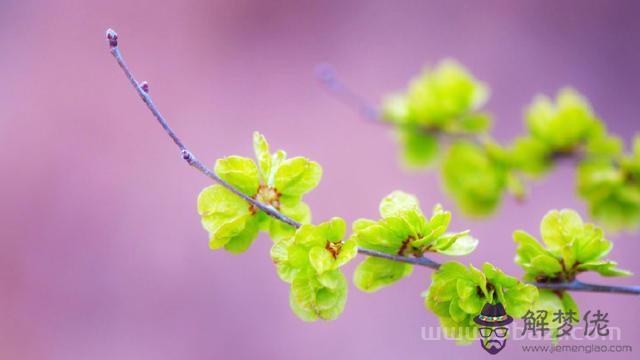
143	90
576	285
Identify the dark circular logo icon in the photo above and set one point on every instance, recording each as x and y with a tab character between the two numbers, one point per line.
493	331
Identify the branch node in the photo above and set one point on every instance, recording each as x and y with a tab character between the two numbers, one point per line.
187	155
112	37
144	86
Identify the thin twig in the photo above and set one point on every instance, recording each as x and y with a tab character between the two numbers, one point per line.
576	285
421	261
327	76
143	90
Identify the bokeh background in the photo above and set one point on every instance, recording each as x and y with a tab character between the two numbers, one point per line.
101	252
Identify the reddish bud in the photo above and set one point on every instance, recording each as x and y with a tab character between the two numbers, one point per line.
112	37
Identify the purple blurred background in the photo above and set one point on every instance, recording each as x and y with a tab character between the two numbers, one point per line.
102	254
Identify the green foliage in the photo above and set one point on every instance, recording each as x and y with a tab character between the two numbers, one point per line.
444	99
275	181
374	273
476	171
418	148
565	125
477	174
458	293
310	261
404	230
607	180
530	155
571	247
475	177
611	187
310	257
567	128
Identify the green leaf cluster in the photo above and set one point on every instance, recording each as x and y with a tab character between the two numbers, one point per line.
568	127
570	247
565	125
310	257
310	261
458	293
611	187
272	179
404	230
444	99
476	171
476	176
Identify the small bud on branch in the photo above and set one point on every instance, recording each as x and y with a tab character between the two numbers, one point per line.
112	37
145	86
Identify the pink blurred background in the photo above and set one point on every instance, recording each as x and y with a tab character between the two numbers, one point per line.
101	252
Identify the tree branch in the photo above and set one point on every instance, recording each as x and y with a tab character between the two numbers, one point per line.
143	91
577	285
421	261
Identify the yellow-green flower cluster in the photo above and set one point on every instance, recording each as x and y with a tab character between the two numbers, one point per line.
444	99
404	230
310	261
274	180
458	293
